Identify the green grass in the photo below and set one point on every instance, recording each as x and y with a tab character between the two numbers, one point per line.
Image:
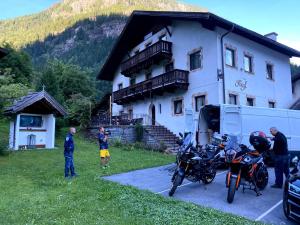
33	191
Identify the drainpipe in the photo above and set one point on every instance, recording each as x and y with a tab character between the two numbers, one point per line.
222	59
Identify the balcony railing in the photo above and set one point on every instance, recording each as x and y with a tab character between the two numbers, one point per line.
170	81
152	54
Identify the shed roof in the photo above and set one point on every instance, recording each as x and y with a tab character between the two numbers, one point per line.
141	22
36	102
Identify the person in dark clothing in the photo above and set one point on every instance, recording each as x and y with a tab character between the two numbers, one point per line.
281	157
68	154
103	146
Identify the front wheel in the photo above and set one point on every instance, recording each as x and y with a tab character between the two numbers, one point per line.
177	181
231	190
262	177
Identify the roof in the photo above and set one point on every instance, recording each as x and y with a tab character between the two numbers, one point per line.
3	52
140	22
295	77
36	102
296	105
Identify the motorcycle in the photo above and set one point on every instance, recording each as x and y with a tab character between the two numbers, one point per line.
246	166
194	164
291	193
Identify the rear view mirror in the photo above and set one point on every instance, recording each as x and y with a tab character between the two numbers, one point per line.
295	160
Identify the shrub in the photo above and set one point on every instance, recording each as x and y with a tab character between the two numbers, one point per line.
3	148
139	132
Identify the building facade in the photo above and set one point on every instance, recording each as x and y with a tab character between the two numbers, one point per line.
181	61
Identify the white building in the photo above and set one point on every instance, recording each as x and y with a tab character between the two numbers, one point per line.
166	65
33	121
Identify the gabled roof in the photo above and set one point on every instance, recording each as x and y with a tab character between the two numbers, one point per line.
141	22
36	102
3	52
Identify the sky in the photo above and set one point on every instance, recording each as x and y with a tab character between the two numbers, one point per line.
262	16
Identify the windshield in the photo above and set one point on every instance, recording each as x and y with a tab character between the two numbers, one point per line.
232	143
188	139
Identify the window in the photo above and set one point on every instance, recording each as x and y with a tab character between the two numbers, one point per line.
162	37
271	104
230	57
178	107
233	99
130	114
132	81
169	67
159	108
195	60
248	64
120	86
250	101
270	71
31	121
199	102
148	75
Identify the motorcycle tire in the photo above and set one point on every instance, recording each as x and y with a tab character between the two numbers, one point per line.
262	177
176	183
207	179
231	190
285	205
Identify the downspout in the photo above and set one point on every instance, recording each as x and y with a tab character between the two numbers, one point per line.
222	60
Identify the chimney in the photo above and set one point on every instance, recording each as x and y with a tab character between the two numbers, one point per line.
272	36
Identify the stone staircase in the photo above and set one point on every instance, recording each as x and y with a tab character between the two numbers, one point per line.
164	136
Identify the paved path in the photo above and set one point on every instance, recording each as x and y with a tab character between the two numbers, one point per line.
266	208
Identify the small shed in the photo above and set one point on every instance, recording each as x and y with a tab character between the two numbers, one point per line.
33	121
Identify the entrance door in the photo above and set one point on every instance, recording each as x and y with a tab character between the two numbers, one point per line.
153	114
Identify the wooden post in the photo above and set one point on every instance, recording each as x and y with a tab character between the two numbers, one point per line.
110	110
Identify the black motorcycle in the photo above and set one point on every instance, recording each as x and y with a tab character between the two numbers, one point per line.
291	193
194	164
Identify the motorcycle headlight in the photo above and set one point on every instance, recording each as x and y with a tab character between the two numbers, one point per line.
247	159
294	189
230	155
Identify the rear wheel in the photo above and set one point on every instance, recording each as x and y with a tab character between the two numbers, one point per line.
231	190
177	181
262	177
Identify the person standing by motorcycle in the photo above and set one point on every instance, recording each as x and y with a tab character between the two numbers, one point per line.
281	157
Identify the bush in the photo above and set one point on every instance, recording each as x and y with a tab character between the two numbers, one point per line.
3	148
117	142
139	132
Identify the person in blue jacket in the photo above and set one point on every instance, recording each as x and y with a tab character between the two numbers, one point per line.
103	146
68	153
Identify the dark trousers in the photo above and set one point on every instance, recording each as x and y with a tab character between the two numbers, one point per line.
281	167
69	166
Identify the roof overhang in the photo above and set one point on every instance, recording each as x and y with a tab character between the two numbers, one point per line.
142	22
3	52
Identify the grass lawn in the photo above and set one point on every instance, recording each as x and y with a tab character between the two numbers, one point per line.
33	191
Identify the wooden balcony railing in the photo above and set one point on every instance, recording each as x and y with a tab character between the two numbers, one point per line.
169	81
152	54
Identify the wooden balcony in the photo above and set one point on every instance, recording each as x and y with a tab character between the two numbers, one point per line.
149	56
167	82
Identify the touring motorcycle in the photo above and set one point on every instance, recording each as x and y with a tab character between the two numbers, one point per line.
194	164
246	166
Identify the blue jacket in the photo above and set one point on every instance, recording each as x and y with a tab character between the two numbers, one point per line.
103	144
69	145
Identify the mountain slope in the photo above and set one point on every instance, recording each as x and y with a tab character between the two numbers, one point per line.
80	31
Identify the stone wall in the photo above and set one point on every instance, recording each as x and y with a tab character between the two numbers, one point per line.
127	134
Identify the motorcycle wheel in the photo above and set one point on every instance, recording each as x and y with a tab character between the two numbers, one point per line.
231	190
262	177
285	205
207	179
176	183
